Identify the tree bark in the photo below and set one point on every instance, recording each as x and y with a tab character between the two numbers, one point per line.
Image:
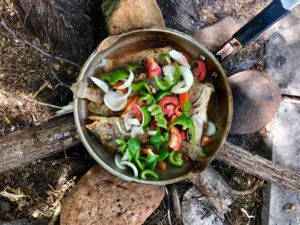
69	25
259	166
25	146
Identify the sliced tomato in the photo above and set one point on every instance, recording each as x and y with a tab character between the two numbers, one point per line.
200	70
183	135
130	102
162	165
183	98
137	112
152	67
175	139
186	56
205	140
168	105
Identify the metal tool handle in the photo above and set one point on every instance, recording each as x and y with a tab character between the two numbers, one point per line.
249	32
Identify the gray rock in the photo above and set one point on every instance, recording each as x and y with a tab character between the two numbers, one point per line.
284	133
4	206
196	210
283	53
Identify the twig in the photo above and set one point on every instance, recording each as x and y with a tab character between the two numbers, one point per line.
46	84
28	12
55	75
46	54
175	201
249	191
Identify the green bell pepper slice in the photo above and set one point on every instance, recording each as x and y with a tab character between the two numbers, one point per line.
133	146
162	94
164	153
122	145
140	86
166	85
186	123
175	158
151	160
150	173
115	76
147	116
137	162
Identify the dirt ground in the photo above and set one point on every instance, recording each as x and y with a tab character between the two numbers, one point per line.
26	84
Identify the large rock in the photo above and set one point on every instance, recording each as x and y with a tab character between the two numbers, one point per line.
283	53
128	15
216	35
196	210
101	198
284	204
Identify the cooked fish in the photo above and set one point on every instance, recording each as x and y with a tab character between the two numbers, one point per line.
101	109
195	152
107	130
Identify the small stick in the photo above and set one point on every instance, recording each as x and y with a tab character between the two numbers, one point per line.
175	201
46	54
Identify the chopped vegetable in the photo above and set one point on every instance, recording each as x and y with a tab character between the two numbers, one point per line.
164	152
168	105
183	98
147	115
115	101
132	166
100	83
122	145
127	82
179	57
188	81
115	76
166	57
153	68
200	70
157	112
150	100
175	158
150	173
175	140
162	165
151	160
141	86
187	124
157	140
133	146
132	66
205	140
162	94
118	160
172	75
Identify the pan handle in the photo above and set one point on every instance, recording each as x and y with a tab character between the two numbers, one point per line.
266	18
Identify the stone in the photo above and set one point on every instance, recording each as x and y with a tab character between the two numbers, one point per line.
283	53
284	133
180	15
214	36
196	210
256	99
101	198
129	15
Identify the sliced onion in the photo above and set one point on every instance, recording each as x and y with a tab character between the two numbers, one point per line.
151	132
115	101
125	156
128	82
125	96
211	129
169	70
134	122
136	130
127	116
100	83
118	160
187	76
132	166
179	57
120	128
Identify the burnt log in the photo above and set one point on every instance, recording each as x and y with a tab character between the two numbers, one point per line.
25	146
67	26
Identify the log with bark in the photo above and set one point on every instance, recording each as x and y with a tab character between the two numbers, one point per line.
25	146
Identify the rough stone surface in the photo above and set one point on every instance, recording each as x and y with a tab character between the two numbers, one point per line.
135	14
180	15
101	198
255	95
283	53
214	36
196	210
284	131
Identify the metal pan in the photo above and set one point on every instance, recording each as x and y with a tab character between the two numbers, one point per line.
135	41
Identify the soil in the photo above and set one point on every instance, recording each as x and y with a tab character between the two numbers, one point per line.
26	82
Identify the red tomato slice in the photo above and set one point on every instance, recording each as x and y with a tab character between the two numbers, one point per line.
182	134
168	105
200	70
175	139
153	68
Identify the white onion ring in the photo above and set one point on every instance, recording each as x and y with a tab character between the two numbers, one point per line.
134	122
127	116
118	160
120	128
179	57
151	132
128	82
132	166
100	83
211	128
125	156
115	101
